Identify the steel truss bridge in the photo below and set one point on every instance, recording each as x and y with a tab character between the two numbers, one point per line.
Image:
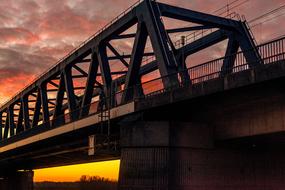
55	99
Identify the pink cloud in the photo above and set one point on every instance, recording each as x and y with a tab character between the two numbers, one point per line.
17	36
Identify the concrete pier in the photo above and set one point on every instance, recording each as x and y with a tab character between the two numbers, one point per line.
20	180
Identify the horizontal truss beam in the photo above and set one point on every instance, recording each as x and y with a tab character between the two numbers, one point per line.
169	31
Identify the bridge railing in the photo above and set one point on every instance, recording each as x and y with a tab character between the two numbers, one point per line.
270	52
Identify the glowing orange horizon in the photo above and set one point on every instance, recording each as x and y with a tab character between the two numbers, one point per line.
108	169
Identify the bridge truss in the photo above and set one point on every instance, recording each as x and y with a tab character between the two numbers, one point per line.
85	81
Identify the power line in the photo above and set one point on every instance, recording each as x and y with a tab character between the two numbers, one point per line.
229	8
253	23
240	4
267	14
268	20
226	6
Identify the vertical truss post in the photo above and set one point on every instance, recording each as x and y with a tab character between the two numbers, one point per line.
183	72
20	127
182	67
1	126
230	57
133	76
6	127
45	109
9	124
58	115
88	94
26	114
139	89
73	112
37	110
11	120
159	38
105	70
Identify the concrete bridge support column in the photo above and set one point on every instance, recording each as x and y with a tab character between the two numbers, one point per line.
155	154
181	156
20	180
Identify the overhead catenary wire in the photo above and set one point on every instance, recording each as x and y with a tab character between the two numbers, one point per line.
269	13
269	16
268	20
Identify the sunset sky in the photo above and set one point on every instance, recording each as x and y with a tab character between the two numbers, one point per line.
109	169
34	34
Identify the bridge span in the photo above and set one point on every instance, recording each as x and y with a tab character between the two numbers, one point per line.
216	125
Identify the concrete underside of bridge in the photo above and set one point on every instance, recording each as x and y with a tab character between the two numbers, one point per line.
17	181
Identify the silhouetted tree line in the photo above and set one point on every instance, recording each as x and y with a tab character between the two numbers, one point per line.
95	182
85	183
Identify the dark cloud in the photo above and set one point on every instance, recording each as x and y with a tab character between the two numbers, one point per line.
13	62
18	69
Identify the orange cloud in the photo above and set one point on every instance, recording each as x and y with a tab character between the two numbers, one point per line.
12	84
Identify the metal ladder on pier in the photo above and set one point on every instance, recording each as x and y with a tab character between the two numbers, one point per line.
103	139
105	120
